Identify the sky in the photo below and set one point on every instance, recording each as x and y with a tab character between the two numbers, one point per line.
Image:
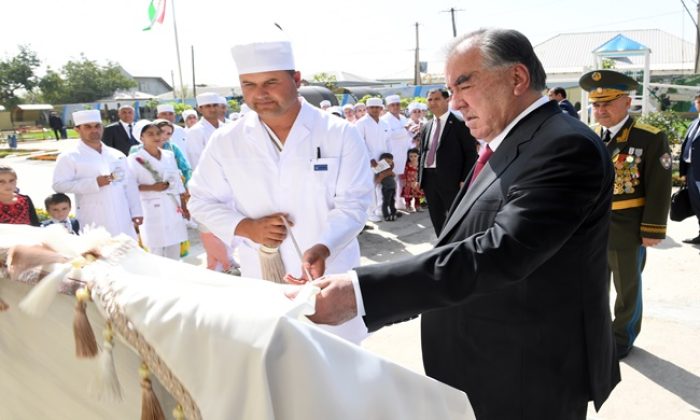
370	38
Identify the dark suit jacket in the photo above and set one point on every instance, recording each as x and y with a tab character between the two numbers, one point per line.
691	136
116	136
514	295
455	155
566	106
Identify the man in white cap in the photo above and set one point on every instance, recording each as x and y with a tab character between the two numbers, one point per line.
208	104
223	110
105	193
120	135
179	137
375	133
415	122
189	117
360	111
349	113
399	142
325	104
287	158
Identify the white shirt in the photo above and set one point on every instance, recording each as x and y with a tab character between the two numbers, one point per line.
399	140
197	138
111	206
179	138
443	122
243	175
616	128
126	128
375	134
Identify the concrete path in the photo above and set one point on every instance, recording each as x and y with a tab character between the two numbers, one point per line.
661	376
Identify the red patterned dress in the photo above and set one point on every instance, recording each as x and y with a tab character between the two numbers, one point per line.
20	212
411	189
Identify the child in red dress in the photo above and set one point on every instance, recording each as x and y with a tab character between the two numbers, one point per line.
15	208
411	189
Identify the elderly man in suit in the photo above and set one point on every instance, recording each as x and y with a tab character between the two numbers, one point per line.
514	296
448	153
689	167
120	135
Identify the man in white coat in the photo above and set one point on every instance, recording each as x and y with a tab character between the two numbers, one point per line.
287	158
198	135
375	132
399	142
105	192
179	137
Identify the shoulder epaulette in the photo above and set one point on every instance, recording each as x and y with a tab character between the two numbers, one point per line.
647	127
595	127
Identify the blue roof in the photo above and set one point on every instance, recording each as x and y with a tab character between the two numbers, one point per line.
620	43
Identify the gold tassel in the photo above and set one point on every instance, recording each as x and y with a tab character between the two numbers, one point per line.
178	413
271	264
3	305
85	343
107	386
150	407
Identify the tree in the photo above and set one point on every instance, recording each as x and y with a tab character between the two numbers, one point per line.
17	73
84	81
327	80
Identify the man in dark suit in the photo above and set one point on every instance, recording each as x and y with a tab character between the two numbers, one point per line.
689	166
448	153
56	124
514	296
559	94
120	135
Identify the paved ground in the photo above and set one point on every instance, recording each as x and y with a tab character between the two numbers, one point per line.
661	376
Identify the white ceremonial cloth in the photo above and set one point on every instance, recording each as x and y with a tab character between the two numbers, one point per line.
112	206
241	349
197	138
242	175
399	140
162	224
375	134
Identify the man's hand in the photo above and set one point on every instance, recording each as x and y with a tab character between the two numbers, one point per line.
216	251
103	180
649	242
313	261
138	221
268	230
336	302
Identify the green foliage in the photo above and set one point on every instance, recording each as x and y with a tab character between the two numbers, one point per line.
671	122
179	107
152	103
83	81
17	73
608	64
234	106
328	80
363	100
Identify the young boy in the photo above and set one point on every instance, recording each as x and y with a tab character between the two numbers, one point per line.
388	180
58	206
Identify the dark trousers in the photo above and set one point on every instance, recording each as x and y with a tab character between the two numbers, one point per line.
693	192
438	197
388	202
57	133
626	266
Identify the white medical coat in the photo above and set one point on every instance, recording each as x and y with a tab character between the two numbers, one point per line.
179	139
399	141
375	134
112	206
197	138
242	175
162	224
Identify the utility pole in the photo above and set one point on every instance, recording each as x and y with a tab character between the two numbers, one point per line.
697	39
454	25
177	50
172	80
416	67
194	85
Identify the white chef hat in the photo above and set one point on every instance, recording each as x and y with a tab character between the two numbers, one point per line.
126	106
86	117
207	98
348	106
414	106
269	50
186	113
375	102
140	126
222	100
165	108
393	99
325	102
423	107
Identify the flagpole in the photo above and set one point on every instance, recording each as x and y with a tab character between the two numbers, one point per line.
177	50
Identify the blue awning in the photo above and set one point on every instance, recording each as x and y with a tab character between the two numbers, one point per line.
621	43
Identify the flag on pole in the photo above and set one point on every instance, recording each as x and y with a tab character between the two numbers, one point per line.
156	13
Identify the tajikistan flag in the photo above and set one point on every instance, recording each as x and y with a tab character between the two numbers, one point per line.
156	13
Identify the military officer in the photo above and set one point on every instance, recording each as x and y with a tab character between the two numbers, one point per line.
641	194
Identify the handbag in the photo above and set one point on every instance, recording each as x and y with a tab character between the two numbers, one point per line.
680	205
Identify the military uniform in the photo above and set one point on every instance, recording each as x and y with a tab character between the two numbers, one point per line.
641	198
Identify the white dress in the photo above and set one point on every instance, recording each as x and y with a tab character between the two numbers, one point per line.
111	206
241	175
163	224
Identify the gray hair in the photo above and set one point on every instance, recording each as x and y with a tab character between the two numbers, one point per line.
503	47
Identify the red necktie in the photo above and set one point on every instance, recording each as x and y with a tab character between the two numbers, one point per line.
430	159
481	162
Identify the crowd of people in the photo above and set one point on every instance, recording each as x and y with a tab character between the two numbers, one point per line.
517	190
